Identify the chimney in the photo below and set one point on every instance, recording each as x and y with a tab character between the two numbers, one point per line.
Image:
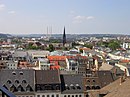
121	80
125	74
115	71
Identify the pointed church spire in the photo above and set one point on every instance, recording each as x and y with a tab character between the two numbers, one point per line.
64	37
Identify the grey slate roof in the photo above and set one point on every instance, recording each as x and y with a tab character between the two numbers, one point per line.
17	78
19	54
72	83
105	77
47	77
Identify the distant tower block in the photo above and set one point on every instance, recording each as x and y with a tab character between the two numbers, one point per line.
64	37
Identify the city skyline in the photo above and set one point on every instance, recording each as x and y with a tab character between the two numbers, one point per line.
84	16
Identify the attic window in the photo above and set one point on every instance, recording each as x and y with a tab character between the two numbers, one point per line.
9	82
88	80
67	87
93	80
16	81
24	82
72	86
78	87
14	73
97	87
21	73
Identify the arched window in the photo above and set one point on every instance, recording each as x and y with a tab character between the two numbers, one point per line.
93	87
14	73
24	82
67	87
9	82
77	86
72	86
21	73
88	88
16	81
97	87
57	87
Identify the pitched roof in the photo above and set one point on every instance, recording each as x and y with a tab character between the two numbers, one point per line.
71	82
58	58
116	90
47	76
16	77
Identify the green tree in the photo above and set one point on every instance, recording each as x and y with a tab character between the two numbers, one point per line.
89	46
51	48
114	45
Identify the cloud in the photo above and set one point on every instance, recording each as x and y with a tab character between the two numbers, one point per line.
12	12
2	7
80	19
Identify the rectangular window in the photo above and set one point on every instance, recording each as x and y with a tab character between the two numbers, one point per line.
43	95
48	96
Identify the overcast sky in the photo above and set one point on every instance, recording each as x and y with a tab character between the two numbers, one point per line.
78	16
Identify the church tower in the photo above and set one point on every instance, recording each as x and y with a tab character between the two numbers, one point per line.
64	37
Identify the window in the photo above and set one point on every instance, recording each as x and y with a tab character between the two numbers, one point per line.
52	95
21	73
38	95
88	80
72	86
76	96
43	95
93	80
24	82
57	95
97	87
72	95
68	95
16	81
48	87
9	82
93	87
88	88
67	87
14	73
80	95
64	95
48	96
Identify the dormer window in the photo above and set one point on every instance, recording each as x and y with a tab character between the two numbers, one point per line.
21	73
9	82
20	88
72	86
14	73
88	88
67	87
16	81
93	80
24	81
29	88
78	87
